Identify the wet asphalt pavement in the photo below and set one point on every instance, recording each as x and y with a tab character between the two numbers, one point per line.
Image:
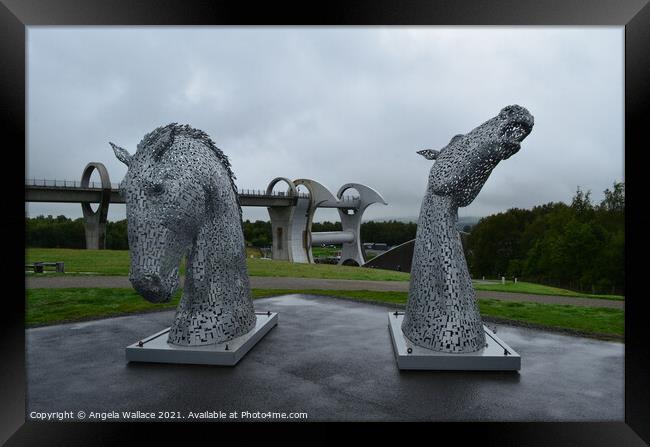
330	358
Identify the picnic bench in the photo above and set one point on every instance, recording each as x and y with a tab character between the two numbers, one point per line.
38	267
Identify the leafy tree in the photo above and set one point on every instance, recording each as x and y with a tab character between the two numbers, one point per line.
614	200
578	246
50	232
581	205
117	236
258	233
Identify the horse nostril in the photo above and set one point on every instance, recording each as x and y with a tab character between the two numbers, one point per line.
147	282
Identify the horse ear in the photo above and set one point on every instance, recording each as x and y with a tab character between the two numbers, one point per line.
429	154
121	154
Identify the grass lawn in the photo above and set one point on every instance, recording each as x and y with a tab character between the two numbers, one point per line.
539	289
116	262
52	306
324	251
102	262
261	267
585	319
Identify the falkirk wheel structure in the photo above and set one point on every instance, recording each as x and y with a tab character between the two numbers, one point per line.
291	226
291	212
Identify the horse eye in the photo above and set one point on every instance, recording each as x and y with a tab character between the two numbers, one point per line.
156	189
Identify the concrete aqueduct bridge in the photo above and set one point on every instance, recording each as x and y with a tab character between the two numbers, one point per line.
291	213
291	226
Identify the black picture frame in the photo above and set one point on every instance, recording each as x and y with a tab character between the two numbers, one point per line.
634	15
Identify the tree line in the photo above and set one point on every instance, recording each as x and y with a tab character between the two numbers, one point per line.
391	232
63	232
578	246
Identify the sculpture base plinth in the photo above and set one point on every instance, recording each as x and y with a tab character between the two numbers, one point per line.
496	356
156	349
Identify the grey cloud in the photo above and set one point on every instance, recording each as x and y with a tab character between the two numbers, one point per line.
333	104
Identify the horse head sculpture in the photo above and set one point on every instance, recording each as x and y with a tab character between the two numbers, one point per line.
441	312
181	200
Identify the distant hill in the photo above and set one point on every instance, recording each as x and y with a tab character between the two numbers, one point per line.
396	219
463	221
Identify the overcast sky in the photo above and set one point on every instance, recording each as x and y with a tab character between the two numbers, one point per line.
332	104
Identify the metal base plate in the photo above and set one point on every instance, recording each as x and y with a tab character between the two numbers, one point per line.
156	349
497	356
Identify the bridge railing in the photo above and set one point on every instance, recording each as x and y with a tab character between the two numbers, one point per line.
262	192
66	184
70	184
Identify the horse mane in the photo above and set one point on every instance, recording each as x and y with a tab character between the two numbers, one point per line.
162	138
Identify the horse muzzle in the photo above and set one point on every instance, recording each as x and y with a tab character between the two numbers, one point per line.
153	288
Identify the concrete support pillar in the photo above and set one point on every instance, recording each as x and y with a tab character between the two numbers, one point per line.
289	226
281	218
95	221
